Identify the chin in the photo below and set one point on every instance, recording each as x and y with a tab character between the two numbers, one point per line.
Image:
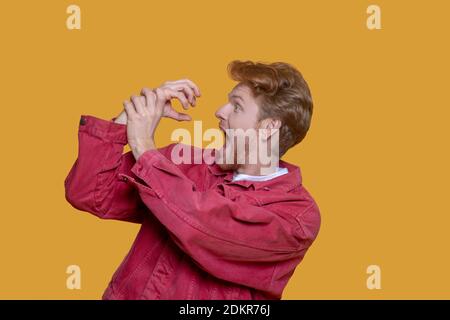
228	166
220	159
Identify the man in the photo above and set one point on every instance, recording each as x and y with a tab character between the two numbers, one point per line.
211	230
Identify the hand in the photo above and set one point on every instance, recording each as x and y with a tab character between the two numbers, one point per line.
143	116
185	90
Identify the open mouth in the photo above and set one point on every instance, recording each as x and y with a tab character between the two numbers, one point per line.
224	134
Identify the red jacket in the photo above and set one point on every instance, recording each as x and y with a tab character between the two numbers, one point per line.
202	236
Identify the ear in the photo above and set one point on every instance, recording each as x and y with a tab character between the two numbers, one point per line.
268	127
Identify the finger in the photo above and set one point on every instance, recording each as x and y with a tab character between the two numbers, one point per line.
129	109
143	101
161	99
137	104
177	115
192	85
187	90
149	97
181	87
144	90
177	94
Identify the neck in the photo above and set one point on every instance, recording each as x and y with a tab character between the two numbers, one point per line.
257	169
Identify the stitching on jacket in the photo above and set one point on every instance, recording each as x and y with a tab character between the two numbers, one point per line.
162	259
141	264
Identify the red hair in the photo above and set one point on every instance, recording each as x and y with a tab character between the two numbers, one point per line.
281	93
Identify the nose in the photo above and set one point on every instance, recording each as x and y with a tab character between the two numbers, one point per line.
220	113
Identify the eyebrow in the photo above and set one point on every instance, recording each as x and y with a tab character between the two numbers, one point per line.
235	96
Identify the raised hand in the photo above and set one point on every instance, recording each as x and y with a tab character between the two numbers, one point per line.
185	90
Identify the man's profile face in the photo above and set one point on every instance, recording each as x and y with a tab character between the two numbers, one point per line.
241	112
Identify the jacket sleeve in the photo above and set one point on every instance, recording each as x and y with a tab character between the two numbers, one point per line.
233	240
93	184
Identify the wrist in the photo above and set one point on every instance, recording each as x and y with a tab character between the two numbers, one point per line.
140	148
121	118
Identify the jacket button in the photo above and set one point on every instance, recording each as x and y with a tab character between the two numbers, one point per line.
82	121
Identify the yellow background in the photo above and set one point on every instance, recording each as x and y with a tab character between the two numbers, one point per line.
376	158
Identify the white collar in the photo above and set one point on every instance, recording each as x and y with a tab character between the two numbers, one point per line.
242	176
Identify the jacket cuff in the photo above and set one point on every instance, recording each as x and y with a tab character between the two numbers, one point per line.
104	129
145	165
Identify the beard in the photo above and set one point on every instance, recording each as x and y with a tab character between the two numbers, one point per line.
223	156
227	157
242	151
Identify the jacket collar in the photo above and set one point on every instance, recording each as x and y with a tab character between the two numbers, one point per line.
286	182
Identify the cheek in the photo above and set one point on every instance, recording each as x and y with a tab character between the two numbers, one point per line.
241	121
